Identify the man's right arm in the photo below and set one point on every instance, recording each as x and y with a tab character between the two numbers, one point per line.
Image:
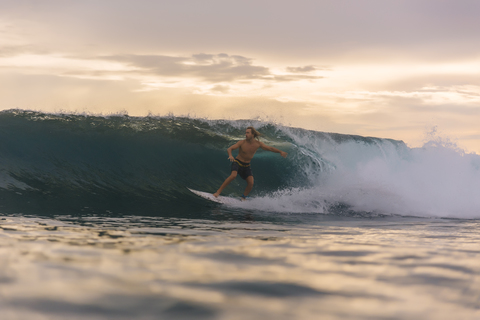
234	147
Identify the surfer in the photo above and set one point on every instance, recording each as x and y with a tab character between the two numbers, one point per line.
241	164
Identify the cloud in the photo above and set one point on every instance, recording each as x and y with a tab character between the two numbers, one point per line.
295	77
304	69
212	68
208	67
221	89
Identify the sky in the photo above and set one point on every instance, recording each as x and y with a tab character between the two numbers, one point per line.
404	69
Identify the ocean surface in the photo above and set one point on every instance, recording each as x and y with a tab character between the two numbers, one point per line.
96	222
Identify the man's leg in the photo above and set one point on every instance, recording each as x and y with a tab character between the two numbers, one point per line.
227	181
249	185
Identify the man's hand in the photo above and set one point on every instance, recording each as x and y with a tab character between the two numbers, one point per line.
283	154
231	158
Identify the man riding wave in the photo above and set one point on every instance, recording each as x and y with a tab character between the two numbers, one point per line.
241	164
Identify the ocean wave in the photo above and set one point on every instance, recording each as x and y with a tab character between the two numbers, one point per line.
67	163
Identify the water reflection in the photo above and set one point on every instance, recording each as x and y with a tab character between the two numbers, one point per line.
96	267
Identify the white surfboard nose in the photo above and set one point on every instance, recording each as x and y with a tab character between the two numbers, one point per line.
211	197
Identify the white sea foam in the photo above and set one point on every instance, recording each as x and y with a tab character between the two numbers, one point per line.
380	176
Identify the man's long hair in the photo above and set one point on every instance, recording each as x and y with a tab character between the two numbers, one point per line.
255	133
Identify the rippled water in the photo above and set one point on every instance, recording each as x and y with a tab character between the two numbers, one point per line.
230	265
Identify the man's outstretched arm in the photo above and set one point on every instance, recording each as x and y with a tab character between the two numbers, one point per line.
272	149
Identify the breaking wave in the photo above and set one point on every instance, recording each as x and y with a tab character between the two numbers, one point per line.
70	163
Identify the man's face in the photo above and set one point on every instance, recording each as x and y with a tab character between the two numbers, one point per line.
248	134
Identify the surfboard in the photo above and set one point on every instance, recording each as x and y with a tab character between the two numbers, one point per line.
219	199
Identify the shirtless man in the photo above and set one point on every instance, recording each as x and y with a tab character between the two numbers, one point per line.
241	164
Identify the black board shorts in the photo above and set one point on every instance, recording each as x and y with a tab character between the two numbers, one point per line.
243	169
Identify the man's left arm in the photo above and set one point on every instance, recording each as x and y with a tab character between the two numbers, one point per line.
272	149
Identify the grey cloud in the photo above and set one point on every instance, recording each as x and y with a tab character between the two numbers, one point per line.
209	67
211	58
220	88
285	78
304	69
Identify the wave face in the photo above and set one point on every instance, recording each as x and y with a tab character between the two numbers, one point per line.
64	163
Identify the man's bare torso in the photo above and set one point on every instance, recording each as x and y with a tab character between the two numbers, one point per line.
247	150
